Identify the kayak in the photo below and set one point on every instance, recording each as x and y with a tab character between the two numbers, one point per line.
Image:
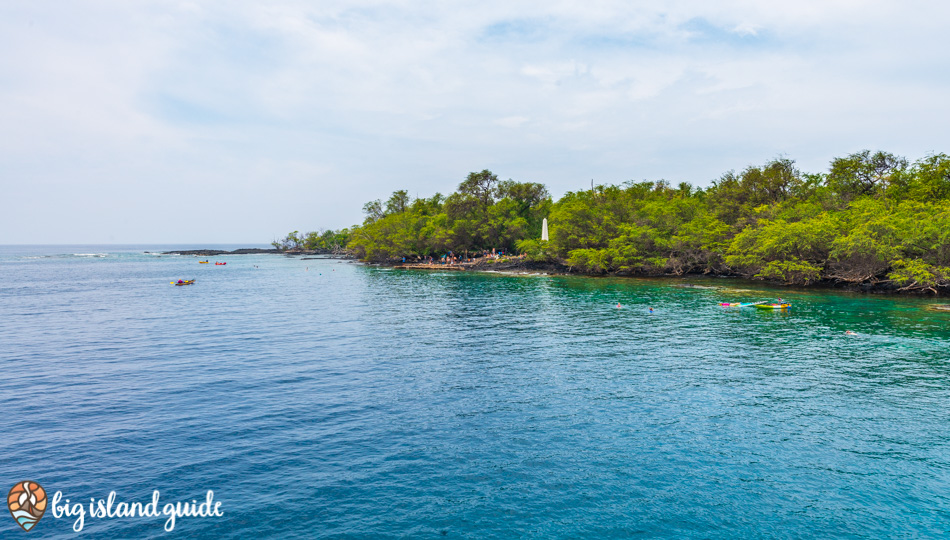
220	264
740	304
202	262
772	306
184	282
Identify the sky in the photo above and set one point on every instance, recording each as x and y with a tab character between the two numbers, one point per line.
240	121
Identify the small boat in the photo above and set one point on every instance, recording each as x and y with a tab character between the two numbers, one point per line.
203	262
220	264
772	306
181	282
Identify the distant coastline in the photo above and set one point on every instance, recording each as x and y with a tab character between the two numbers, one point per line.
244	251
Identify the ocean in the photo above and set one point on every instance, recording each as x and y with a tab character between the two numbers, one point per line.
323	398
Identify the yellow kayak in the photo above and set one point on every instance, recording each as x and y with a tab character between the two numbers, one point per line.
181	282
772	306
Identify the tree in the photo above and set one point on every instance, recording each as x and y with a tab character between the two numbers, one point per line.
532	202
398	202
373	211
468	211
930	178
863	173
780	177
737	196
481	186
526	194
293	240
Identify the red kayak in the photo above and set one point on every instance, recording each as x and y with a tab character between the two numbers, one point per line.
220	264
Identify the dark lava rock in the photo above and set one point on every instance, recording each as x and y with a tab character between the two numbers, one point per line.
216	252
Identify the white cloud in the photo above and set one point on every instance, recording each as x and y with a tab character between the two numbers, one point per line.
297	112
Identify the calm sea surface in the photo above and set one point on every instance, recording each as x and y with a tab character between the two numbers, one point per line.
324	399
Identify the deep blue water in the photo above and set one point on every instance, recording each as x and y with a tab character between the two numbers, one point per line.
325	399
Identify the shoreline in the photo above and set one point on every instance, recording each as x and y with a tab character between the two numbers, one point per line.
516	265
506	265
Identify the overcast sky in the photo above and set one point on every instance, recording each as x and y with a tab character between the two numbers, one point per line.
238	121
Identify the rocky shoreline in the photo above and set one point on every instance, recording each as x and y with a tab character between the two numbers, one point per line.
508	265
518	265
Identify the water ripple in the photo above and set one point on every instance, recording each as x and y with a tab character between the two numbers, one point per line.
348	401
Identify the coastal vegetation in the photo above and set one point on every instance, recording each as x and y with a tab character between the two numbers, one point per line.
873	220
326	241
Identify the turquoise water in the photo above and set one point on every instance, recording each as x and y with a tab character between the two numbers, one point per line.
325	399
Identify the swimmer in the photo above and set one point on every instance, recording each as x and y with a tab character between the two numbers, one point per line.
618	305
651	310
850	333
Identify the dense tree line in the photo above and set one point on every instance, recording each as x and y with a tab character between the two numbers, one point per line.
483	214
873	219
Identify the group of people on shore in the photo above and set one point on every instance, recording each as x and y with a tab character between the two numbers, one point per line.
445	259
451	258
